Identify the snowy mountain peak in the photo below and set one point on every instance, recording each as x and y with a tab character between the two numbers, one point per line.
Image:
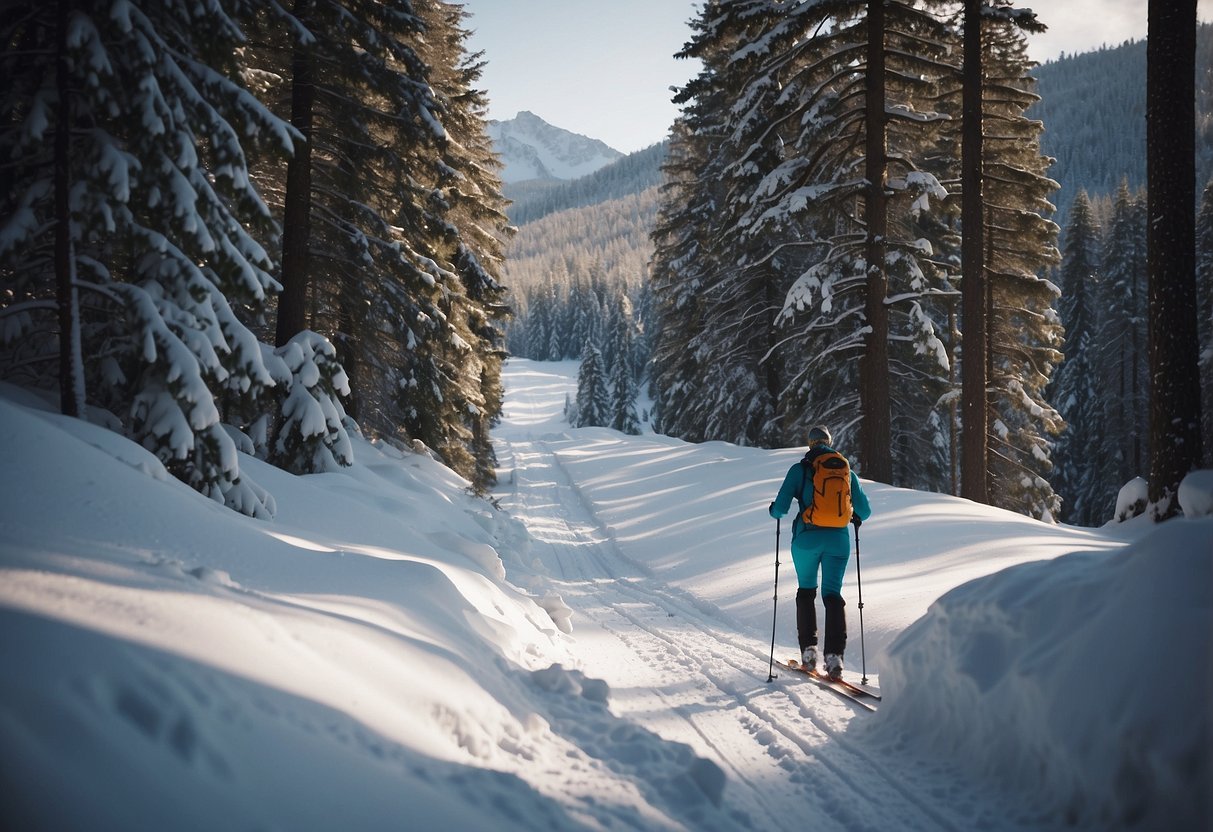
531	148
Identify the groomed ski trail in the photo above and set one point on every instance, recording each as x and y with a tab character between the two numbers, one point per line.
679	669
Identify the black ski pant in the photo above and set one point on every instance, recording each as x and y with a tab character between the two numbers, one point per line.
806	621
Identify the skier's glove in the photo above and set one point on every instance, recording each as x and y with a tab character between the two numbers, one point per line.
855	519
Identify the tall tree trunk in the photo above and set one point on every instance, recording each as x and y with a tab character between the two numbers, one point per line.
771	370
297	210
71	363
974	411
953	406
1123	425
1140	343
345	342
1139	420
875	437
1171	238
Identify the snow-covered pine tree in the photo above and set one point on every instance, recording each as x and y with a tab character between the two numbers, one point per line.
679	235
346	71
593	402
518	330
814	215
738	396
469	214
623	400
1123	366
584	313
406	211
1023	333
558	324
759	192
151	125
644	314
538	322
984	25
1074	385
714	371
311	437
685	255
623	382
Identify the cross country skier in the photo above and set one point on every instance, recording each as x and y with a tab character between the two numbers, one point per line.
829	496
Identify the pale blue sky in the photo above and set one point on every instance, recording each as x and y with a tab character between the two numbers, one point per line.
603	68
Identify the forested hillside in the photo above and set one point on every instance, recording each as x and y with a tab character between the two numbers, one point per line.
610	237
532	200
1093	106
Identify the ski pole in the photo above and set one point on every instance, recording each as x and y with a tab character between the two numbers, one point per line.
863	657
771	670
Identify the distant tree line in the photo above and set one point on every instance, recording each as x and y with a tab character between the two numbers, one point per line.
234	226
580	289
1102	388
1094	105
584	315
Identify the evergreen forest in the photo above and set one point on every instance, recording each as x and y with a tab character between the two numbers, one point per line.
748	288
253	226
259	226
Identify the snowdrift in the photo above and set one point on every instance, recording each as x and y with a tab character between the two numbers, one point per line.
358	663
1081	683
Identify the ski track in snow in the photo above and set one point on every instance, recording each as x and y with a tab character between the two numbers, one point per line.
685	673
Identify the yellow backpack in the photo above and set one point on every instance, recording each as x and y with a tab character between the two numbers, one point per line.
830	505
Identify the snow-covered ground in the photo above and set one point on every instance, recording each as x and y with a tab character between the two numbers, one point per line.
390	653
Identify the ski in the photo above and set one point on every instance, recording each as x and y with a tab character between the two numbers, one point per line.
867	693
860	696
